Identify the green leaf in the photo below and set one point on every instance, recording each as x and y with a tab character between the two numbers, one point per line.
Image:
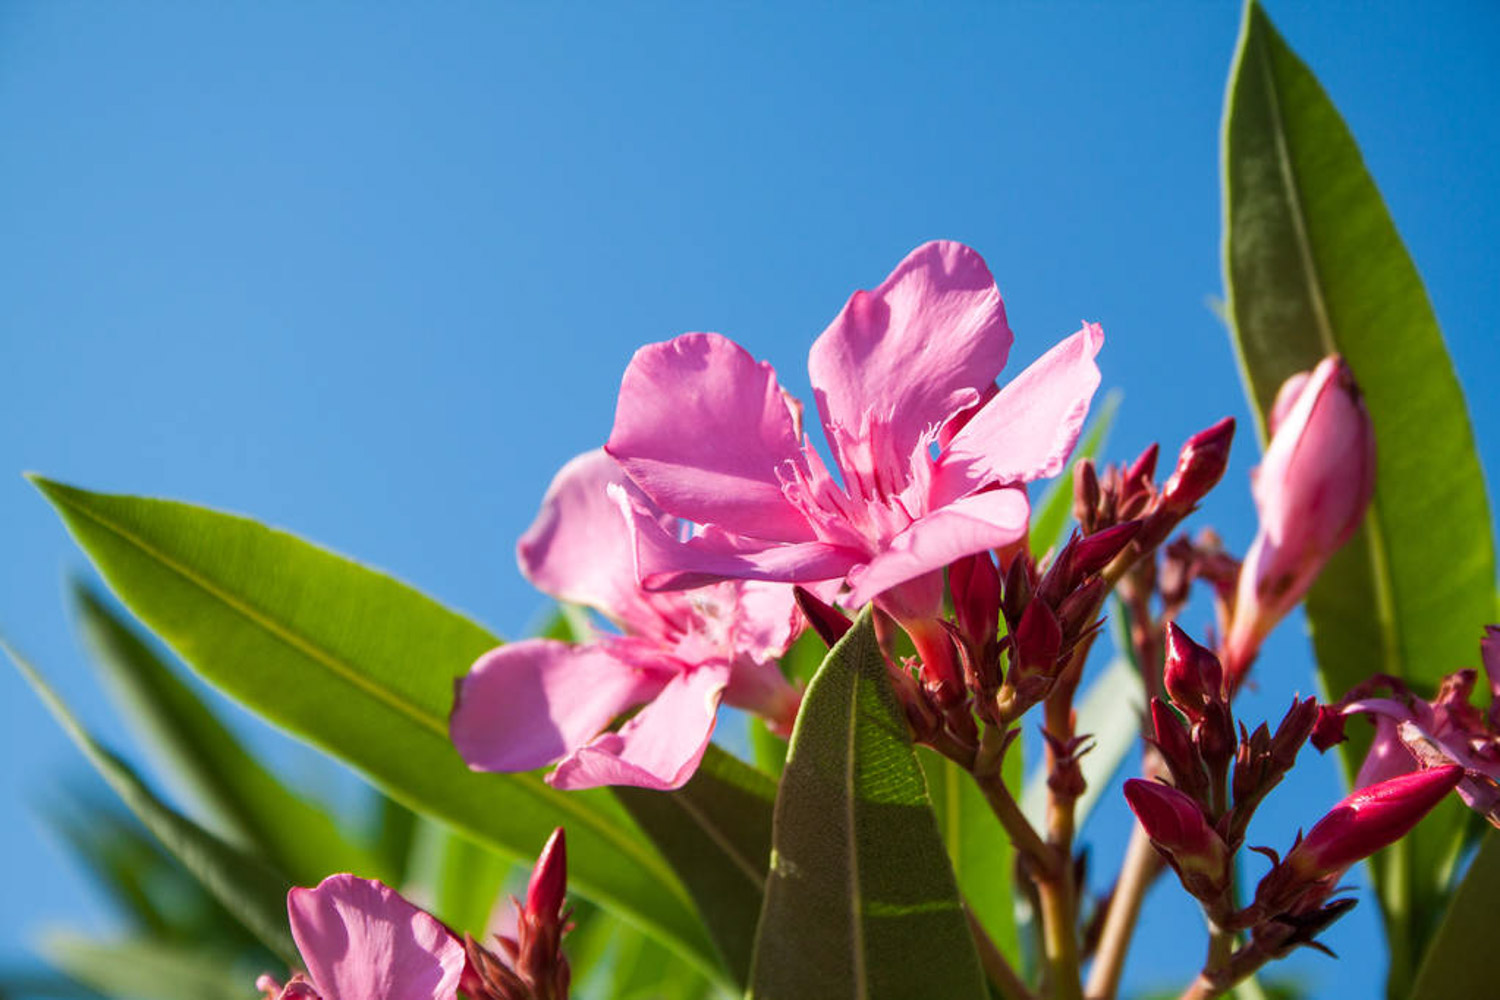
1049	521
149	970
767	749
470	884
980	852
1315	265
1110	712
258	810
715	831
1457	962
246	886
861	901
362	666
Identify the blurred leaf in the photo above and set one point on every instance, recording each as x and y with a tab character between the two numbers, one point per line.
122	861
249	888
768	749
296	836
1458	961
149	970
614	961
1110	711
470	884
1314	266
715	831
980	852
861	900
26	984
802	661
362	666
394	827
1051	517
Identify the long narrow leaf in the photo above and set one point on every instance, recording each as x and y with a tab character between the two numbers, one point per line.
360	665
1315	265
148	970
1457	961
298	837
716	832
861	900
250	889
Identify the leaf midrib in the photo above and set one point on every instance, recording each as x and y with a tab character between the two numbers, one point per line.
526	782
1374	533
754	876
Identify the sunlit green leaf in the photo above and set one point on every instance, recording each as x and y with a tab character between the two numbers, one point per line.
363	666
1457	963
1315	266
861	901
150	970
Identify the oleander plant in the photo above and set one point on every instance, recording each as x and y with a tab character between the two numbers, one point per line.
895	585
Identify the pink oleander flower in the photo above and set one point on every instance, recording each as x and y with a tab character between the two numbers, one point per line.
361	941
537	702
1411	732
1311	491
907	369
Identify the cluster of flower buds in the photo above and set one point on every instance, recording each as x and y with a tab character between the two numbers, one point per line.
1311	491
1221	773
1130	493
361	939
1411	732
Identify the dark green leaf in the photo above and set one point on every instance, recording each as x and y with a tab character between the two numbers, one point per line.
249	888
716	832
362	666
861	901
1314	266
1456	963
1050	518
257	809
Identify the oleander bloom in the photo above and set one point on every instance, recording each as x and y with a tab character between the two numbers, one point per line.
537	702
360	940
930	460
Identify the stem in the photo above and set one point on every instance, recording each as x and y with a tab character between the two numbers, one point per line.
1022	834
1060	935
997	968
1140	868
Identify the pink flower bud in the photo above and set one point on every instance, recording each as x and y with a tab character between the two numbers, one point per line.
1192	676
1311	491
1179	830
549	879
1369	819
1200	466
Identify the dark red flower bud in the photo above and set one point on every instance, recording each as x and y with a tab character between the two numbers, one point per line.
1200	466
548	887
975	583
1138	476
1079	611
1020	586
1180	831
1086	493
1193	675
829	622
1177	750
1097	550
1296	726
1037	641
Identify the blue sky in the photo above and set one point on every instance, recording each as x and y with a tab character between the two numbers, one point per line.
372	272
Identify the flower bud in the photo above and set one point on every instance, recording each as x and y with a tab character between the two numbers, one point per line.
1094	552
1200	466
975	583
1037	641
1369	819
1086	493
1311	491
1192	676
1177	750
1179	830
548	887
829	622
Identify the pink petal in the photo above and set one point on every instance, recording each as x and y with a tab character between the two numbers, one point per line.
1286	398
529	703
916	350
663	562
701	427
1027	431
661	746
973	524
579	550
362	941
766	619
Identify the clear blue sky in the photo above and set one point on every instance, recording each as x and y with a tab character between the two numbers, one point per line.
371	272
